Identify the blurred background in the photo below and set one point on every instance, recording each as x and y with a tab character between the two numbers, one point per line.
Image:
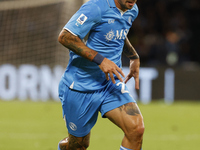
165	35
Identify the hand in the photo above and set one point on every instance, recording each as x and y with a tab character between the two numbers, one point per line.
134	72
109	67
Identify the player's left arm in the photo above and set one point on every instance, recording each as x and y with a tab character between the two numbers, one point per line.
131	53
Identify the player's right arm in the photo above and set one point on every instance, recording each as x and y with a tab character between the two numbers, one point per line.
75	44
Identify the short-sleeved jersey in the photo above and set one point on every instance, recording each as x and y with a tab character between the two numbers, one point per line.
107	28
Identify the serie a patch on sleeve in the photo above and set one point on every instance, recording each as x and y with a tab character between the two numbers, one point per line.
81	19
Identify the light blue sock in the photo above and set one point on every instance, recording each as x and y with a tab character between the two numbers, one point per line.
123	148
58	147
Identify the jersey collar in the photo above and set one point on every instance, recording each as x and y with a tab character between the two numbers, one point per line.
111	3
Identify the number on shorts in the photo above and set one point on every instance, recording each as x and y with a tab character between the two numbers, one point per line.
123	87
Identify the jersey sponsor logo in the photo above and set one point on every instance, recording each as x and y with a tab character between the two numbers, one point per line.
72	126
81	19
118	34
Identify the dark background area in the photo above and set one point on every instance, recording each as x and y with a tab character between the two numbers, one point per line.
166	32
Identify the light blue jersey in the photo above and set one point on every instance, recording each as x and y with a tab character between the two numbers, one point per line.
107	27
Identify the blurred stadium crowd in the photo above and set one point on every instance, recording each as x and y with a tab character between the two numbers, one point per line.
166	32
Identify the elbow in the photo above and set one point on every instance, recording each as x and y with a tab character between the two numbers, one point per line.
60	38
66	39
63	38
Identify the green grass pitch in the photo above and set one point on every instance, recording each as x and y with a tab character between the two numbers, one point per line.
39	126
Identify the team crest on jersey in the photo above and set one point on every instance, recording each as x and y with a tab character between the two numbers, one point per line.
72	126
110	35
82	18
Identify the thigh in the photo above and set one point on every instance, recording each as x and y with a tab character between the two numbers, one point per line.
73	142
126	116
79	142
116	96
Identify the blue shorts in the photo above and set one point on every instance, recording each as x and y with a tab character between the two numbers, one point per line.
80	109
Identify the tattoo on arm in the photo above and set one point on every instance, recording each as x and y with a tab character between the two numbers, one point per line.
75	44
129	50
130	109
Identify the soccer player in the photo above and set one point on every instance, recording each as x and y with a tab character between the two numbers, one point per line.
93	80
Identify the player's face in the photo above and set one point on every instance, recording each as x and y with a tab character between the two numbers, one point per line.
125	4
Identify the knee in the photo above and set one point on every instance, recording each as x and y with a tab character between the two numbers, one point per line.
135	129
140	130
63	144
